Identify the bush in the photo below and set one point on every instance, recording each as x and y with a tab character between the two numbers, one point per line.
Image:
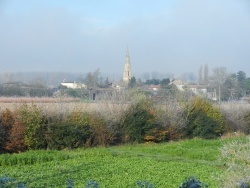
237	116
100	133
34	122
247	123
6	182
66	135
192	182
6	122
77	130
92	184
66	131
203	120
16	141
144	184
137	121
170	115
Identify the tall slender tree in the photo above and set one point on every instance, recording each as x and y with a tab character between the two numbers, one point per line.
205	80
200	75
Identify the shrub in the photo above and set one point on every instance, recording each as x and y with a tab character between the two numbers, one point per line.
137	121
66	131
244	185
203	119
34	121
247	123
66	135
70	183
192	182
16	141
6	182
6	122
92	184
237	116
156	135
100	133
144	184
170	115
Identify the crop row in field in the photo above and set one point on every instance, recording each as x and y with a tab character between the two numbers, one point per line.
164	165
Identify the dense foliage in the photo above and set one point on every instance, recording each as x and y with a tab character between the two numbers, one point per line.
137	121
6	122
21	89
142	119
203	119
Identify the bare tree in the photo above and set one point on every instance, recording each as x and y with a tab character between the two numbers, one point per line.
218	78
205	79
200	75
92	79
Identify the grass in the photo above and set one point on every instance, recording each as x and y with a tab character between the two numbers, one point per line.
164	165
31	157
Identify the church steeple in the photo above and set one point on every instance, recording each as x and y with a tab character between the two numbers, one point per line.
127	68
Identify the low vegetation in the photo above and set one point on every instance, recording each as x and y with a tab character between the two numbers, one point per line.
203	119
63	145
161	165
114	121
235	156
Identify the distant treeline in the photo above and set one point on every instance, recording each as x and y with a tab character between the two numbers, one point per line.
25	90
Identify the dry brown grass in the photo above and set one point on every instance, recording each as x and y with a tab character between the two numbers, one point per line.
63	105
235	113
13	103
36	99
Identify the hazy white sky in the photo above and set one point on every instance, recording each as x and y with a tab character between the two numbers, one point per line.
167	36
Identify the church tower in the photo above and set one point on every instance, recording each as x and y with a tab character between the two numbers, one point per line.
127	69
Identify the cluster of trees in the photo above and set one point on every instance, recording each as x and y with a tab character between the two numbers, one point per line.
229	86
25	90
162	82
94	80
139	120
235	86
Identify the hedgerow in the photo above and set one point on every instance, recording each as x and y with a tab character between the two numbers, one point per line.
140	119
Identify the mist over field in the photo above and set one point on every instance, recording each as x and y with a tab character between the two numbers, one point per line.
164	37
124	93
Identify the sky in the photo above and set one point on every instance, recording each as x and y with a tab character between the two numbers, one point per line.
164	36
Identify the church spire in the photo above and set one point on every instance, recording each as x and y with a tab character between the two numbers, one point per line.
127	68
127	53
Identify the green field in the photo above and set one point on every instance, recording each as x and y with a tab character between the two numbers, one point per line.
163	165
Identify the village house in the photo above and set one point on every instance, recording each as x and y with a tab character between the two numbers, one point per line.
203	90
74	85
